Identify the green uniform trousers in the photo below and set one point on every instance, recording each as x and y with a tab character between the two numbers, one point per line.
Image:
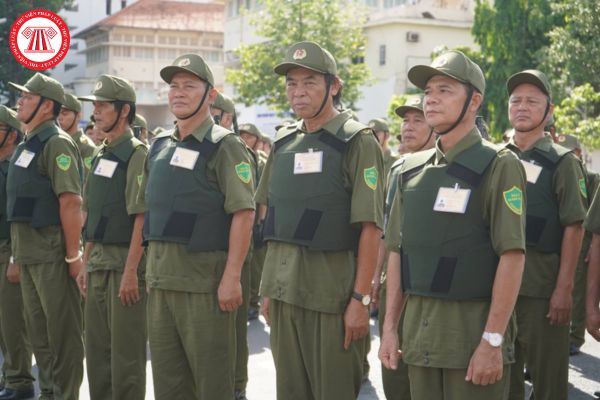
396	385
241	330
115	339
15	345
192	344
310	360
577	336
258	259
449	384
53	315
543	348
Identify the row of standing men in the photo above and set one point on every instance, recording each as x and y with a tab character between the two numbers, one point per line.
168	230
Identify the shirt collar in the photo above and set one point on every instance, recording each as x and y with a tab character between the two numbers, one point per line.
470	139
199	133
544	143
127	135
332	126
41	127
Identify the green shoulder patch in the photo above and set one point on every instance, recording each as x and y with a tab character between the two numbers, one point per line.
63	161
87	162
243	171
371	175
513	198
139	179
583	187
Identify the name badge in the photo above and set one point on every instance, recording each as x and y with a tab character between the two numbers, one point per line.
452	200
184	158
532	171
25	159
106	168
308	163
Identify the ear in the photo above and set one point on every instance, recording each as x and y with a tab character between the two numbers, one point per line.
336	86
125	111
212	95
476	101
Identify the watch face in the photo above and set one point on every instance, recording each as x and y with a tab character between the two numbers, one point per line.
495	340
366	300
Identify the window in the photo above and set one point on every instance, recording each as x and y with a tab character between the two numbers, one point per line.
69	66
139	38
117	37
382	54
122	51
127	38
149	39
162	40
167	54
393	3
144	52
172	40
74	46
97	55
183	41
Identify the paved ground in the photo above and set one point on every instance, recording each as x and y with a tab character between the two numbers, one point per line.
584	374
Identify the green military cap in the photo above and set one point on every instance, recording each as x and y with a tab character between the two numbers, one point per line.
190	63
111	88
307	55
140	121
531	76
71	103
42	85
379	124
267	140
251	129
453	64
224	103
569	141
9	117
413	103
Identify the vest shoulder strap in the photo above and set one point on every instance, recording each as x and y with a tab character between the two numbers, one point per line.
350	129
471	164
125	150
159	143
413	163
217	133
285	131
550	158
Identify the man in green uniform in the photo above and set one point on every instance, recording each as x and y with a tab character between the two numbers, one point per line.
223	112
577	331
456	240
382	133
14	342
44	208
113	283
556	205
322	185
198	189
592	224
418	136
140	128
68	120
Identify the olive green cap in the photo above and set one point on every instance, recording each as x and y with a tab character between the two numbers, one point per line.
453	64
307	55
190	63
413	103
140	121
71	103
9	117
531	76
251	129
569	141
42	85
379	124
111	88
267	140
224	103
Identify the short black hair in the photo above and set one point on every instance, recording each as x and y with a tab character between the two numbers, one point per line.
119	106
56	106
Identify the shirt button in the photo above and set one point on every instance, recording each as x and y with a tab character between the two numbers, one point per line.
425	322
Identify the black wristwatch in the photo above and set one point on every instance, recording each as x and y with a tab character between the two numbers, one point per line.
365	299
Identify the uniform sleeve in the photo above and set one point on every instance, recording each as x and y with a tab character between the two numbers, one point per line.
262	193
364	167
505	203
141	196
592	219
232	166
61	162
569	186
135	174
393	228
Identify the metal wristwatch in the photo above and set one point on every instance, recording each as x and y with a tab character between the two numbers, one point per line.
494	339
365	299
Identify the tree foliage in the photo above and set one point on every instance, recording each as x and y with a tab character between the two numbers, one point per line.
579	115
336	25
10	69
510	34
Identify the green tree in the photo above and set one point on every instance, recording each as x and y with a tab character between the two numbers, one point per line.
510	34
10	69
578	115
336	25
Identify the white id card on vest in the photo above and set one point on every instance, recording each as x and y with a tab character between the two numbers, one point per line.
106	168
308	163
532	171
25	159
452	200
184	158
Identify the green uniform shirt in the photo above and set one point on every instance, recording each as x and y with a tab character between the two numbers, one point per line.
388	160
86	148
33	246
541	269
113	257
441	333
171	266
323	281
592	220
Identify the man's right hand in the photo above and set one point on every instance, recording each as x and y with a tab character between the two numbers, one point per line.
13	273
82	280
264	310
389	354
